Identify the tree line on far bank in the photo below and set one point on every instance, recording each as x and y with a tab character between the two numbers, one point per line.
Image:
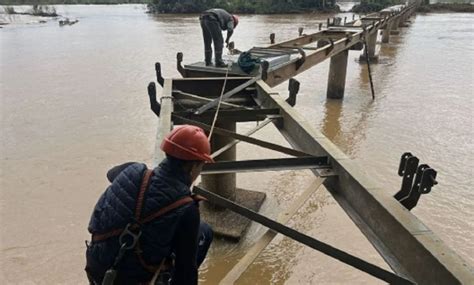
73	2
242	6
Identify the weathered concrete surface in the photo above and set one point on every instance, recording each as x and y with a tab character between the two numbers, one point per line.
371	48
386	33
337	75
228	224
222	184
224	222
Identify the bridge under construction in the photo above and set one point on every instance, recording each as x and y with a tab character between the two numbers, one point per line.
227	96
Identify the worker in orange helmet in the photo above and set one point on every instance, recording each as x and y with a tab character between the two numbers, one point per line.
146	226
213	21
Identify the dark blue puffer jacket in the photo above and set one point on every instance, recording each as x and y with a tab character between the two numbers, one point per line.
116	207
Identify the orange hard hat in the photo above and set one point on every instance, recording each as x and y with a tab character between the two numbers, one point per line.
187	142
236	20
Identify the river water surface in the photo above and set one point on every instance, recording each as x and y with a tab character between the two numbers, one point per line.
74	103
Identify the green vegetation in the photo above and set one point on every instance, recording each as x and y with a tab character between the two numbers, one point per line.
58	2
448	7
9	10
368	6
36	10
242	6
43	11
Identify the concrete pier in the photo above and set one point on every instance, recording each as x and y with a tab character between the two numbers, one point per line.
337	75
370	46
222	184
394	25
386	33
225	185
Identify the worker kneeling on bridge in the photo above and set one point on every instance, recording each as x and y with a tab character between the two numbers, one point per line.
212	22
146	226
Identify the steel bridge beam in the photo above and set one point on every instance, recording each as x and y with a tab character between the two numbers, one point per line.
408	246
259	165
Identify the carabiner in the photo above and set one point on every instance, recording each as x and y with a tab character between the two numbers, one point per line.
134	237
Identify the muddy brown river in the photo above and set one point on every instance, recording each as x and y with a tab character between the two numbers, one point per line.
73	104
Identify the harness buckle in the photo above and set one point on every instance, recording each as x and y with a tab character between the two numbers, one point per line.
128	231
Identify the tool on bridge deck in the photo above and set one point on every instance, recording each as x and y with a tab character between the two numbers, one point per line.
325	248
425	179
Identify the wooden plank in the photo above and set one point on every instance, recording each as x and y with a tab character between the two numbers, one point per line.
269	235
164	122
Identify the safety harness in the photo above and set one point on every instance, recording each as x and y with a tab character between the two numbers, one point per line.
133	229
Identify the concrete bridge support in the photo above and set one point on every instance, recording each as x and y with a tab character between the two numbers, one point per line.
222	184
370	46
337	75
386	33
402	20
394	26
225	222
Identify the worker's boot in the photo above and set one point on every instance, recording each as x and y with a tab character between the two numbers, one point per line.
208	57
219	61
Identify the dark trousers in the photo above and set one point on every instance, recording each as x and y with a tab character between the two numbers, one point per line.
205	238
211	32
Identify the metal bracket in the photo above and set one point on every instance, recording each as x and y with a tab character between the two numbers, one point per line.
348	38
272	38
154	105
428	180
179	60
302	59
425	179
264	65
331	47
159	76
293	88
407	169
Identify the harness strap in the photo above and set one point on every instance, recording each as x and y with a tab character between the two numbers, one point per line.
183	201
138	211
162	211
141	194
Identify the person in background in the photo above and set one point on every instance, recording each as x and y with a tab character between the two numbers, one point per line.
214	21
154	216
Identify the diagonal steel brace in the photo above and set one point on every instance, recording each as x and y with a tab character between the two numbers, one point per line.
224	132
